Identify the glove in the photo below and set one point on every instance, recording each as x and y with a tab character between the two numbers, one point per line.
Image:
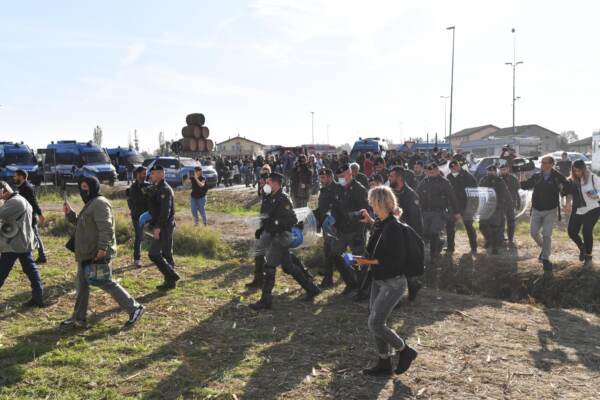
258	232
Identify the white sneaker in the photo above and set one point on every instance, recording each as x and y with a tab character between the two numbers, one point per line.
137	263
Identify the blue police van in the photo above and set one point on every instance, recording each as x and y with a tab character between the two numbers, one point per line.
179	169
14	156
369	145
124	159
67	161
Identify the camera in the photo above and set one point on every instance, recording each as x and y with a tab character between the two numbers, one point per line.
355	216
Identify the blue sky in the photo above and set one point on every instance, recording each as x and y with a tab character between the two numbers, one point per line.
260	67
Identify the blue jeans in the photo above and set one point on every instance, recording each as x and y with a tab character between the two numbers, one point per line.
7	261
198	205
139	236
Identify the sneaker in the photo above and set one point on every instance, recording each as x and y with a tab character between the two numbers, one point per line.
137	263
405	358
34	303
74	323
587	262
135	315
167	285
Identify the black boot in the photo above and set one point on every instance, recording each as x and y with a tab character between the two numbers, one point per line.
265	303
405	358
304	279
259	264
413	288
581	253
382	368
327	282
266	299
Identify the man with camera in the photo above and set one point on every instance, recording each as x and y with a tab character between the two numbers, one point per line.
17	241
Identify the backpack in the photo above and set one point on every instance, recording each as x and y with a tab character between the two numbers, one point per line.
415	251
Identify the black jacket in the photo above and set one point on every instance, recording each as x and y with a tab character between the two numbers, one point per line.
503	197
162	206
277	213
138	197
459	183
436	194
349	200
386	245
362	179
513	185
301	180
327	198
546	192
408	201
27	191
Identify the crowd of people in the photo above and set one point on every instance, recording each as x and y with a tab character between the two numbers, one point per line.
365	207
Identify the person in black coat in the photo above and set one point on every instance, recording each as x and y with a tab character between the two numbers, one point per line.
25	189
137	200
491	225
460	180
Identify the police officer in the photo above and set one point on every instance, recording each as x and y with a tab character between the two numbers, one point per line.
419	172
437	202
327	198
460	180
162	209
513	185
491	227
276	236
259	251
350	199
137	200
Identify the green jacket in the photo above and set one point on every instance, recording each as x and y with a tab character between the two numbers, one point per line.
95	229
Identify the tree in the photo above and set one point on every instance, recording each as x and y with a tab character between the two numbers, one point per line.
98	135
569	136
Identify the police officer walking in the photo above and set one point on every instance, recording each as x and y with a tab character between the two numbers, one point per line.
137	201
438	203
460	181
513	185
491	227
350	199
327	198
162	209
259	251
275	236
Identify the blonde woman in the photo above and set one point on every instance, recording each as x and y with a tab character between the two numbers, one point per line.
385	255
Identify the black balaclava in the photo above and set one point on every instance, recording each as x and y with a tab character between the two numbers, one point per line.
94	185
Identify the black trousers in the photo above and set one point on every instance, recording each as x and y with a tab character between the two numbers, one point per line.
161	253
491	228
509	216
583	223
451	232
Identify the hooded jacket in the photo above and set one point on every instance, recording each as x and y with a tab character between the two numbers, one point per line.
17	212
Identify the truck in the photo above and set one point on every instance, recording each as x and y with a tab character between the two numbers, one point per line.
368	145
14	156
67	161
123	158
179	169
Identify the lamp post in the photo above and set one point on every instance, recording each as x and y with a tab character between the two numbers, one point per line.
514	64
451	28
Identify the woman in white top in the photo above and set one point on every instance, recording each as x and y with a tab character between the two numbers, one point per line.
584	198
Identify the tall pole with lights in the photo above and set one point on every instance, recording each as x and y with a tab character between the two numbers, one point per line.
451	28
514	64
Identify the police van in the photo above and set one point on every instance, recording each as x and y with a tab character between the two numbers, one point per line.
67	161
123	158
14	156
179	169
369	145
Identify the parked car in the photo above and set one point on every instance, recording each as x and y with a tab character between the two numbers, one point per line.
122	158
479	169
572	155
14	156
179	169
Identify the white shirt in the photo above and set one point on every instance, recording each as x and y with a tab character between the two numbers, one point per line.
587	189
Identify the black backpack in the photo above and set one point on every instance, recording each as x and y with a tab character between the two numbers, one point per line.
415	251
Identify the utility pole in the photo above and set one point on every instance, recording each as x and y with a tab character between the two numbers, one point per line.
446	134
514	64
451	28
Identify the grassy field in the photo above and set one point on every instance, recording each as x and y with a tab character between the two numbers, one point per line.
202	342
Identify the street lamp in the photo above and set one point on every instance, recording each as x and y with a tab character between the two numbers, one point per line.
445	98
514	64
451	28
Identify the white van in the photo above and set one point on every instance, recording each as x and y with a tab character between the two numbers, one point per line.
596	152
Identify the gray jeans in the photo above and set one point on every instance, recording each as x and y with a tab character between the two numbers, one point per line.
124	299
543	221
385	295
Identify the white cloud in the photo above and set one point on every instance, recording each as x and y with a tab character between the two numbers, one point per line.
134	52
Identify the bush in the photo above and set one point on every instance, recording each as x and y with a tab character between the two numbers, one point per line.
193	240
123	229
57	225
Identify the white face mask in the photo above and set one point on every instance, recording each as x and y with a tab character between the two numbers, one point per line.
455	174
342	181
267	189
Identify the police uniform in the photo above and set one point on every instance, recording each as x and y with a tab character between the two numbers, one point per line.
138	196
491	227
437	201
408	201
327	198
513	185
259	250
460	183
275	236
349	231
162	209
